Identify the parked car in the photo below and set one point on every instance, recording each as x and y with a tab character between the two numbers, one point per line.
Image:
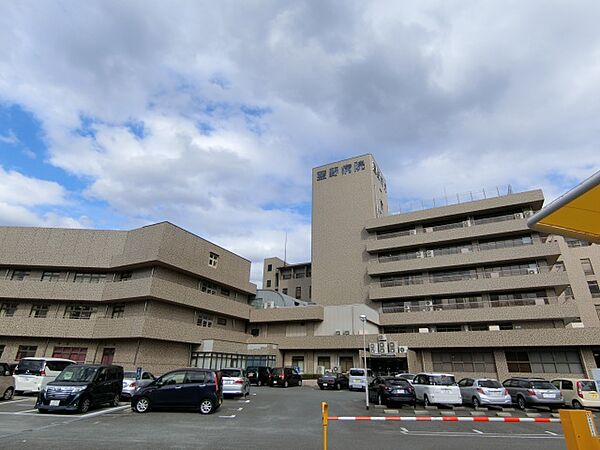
386	390
333	380
286	376
235	382
131	382
358	379
33	374
526	392
578	392
192	388
483	391
80	387
7	382
260	376
406	376
436	388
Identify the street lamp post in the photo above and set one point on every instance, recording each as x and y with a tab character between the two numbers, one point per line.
363	319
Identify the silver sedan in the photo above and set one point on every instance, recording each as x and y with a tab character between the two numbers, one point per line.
131	382
235	382
483	391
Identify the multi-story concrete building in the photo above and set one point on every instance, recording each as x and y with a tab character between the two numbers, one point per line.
294	280
464	288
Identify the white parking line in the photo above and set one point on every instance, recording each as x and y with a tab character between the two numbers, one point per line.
243	401
482	435
227	417
551	433
15	401
404	430
477	431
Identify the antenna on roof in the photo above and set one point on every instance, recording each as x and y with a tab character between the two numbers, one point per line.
285	250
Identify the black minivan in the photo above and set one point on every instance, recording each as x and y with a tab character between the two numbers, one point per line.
260	375
191	388
80	386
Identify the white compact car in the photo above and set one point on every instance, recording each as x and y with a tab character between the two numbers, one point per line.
578	393
33	374
7	384
437	389
358	380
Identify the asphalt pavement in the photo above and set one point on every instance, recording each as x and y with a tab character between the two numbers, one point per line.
270	418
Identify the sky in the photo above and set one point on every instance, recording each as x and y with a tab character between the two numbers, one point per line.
116	114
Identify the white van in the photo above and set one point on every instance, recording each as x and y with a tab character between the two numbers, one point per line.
33	374
437	389
358	380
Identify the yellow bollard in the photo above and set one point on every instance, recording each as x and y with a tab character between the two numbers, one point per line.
324	416
580	430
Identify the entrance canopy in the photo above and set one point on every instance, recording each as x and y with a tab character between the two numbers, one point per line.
575	214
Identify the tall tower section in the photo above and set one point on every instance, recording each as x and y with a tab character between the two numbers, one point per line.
345	195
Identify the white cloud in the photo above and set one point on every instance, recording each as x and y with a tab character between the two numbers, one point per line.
448	96
9	138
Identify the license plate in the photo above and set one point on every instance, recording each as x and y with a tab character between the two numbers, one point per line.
274	382
594	395
495	394
228	382
548	395
399	391
54	402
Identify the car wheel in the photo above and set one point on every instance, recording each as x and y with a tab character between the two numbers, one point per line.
207	406
285	384
42	411
426	401
577	405
521	403
84	405
337	386
141	405
475	402
115	400
300	383
379	401
321	387
8	394
259	383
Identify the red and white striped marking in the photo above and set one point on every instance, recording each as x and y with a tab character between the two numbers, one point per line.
445	419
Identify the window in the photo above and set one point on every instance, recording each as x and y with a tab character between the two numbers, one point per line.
225	292
286	275
204	320
577	242
209	288
79	312
284	291
321	175
7	309
39	311
506	326
19	275
448	328
298	361
255	332
308	272
544	362
2	347
58	366
333	171
213	260
586	264
26	351
89	277
268	283
461	361
50	276
567	385
73	353
594	289
270	268
196	377
298	292
108	355
346	169
478	327
359	165
299	275
125	276
118	311
324	361
221	321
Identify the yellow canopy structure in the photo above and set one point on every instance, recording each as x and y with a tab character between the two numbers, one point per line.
575	214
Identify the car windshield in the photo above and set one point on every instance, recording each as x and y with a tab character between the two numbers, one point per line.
129	374
357	373
441	380
77	374
329	374
587	386
489	384
542	385
231	373
277	371
396	381
29	366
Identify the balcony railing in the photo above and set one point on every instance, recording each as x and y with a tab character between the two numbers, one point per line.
451	226
471	303
473	275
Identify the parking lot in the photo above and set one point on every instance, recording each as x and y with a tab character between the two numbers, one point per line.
271	418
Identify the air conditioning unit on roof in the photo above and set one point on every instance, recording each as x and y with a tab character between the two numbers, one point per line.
532	270
420	254
412	231
346	332
428	229
467	223
519	216
430	253
338	332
